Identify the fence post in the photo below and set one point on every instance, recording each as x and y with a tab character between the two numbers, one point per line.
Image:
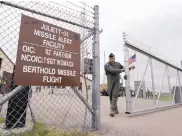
161	85
96	72
127	80
169	83
179	82
152	77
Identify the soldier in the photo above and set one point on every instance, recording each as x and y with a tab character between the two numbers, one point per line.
113	70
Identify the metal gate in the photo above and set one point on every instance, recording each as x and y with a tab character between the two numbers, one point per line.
157	85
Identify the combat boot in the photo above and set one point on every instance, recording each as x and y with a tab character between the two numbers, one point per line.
112	109
112	113
116	111
115	105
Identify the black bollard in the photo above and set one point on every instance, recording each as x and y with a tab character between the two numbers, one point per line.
17	106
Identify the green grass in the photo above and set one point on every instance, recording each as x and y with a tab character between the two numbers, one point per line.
2	120
41	129
164	98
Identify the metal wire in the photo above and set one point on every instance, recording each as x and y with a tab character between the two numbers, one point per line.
86	5
148	48
70	8
79	6
43	14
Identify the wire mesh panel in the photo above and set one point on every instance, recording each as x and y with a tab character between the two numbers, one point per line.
38	107
155	84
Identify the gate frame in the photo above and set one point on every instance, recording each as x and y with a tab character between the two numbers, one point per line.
129	103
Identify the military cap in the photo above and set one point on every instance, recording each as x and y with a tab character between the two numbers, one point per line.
111	55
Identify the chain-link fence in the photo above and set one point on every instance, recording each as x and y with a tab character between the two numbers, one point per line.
27	109
155	84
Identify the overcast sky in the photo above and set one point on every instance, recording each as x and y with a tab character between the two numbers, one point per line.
156	23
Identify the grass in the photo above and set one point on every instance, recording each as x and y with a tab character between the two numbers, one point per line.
41	129
164	98
2	120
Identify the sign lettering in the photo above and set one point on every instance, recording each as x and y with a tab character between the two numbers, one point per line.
47	55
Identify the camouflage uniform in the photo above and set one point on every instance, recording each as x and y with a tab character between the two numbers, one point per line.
113	71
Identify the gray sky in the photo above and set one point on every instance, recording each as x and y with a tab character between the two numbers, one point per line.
156	23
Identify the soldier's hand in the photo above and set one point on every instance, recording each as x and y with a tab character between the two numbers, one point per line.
132	67
125	77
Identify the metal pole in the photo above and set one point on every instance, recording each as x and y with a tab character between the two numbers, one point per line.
161	85
96	75
153	86
127	80
104	78
179	81
169	83
136	66
174	91
140	85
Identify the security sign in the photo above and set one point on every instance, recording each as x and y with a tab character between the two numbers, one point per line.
47	55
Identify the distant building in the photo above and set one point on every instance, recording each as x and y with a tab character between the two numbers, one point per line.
6	69
5	62
142	92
